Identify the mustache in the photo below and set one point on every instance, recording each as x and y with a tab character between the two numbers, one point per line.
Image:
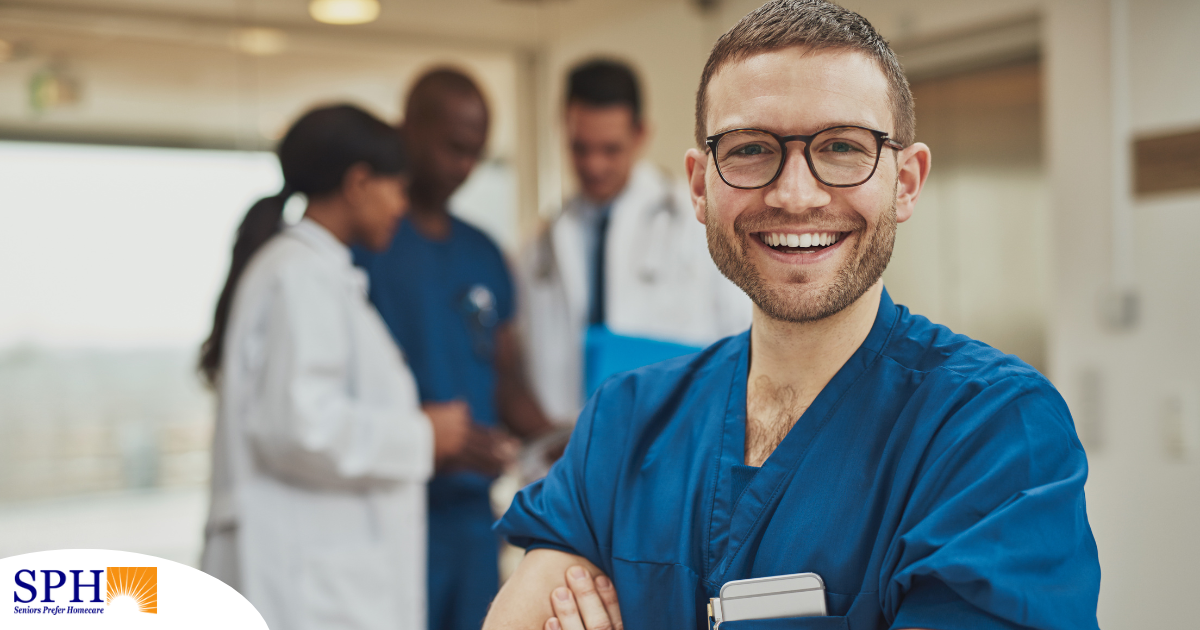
770	219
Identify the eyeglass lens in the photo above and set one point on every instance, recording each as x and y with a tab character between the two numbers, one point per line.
842	156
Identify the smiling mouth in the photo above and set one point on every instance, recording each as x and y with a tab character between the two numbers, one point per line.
806	243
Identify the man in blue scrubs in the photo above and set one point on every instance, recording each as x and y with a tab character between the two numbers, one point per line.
930	480
445	292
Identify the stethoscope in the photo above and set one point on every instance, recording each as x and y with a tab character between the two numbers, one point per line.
651	251
478	308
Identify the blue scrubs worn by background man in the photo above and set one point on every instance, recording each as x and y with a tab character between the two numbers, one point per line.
931	481
442	301
447	296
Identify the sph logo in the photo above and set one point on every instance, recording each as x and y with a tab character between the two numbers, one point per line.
102	589
84	586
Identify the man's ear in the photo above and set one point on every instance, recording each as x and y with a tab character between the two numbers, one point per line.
354	182
912	169
641	135
696	164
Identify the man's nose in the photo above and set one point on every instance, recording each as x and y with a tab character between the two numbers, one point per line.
596	159
797	189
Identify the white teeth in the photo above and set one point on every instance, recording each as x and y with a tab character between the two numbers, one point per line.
811	239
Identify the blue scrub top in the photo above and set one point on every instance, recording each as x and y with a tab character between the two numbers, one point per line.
442	301
933	483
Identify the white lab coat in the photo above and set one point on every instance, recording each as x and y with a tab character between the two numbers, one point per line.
321	452
660	283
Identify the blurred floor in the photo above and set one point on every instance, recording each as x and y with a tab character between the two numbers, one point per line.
166	523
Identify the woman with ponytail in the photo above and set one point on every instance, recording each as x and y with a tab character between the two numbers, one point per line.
321	451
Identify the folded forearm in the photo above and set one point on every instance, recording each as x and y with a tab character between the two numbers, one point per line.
524	601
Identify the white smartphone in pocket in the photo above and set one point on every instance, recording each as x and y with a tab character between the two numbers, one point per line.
795	595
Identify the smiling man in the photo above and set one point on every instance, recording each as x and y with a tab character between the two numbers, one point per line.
930	480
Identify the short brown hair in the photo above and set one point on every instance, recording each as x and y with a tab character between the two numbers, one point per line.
604	83
816	24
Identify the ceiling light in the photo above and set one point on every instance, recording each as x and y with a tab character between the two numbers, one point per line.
51	88
259	41
344	11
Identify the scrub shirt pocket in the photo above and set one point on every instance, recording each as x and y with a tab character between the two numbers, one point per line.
670	583
789	623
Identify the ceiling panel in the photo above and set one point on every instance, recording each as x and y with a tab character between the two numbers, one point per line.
456	22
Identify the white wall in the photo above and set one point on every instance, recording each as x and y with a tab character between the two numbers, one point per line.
974	255
1144	498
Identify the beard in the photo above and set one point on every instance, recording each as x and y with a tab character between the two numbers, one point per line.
796	300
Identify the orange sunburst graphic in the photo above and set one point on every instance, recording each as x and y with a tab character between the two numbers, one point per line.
140	583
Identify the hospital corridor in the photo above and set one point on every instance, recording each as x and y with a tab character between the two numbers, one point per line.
585	314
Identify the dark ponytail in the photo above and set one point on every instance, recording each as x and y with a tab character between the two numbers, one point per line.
314	156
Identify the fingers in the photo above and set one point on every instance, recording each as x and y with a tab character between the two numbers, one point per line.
490	451
587	600
451	425
480	452
584	604
566	614
508	448
473	447
608	595
452	412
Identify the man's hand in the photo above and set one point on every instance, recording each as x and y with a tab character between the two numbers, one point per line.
589	604
459	443
526	600
451	427
486	450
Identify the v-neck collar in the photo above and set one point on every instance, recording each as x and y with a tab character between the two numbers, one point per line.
730	529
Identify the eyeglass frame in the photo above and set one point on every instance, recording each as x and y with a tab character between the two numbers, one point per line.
881	140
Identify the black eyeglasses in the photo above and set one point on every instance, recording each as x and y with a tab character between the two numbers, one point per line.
840	157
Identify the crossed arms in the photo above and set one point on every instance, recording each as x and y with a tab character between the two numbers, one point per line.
553	590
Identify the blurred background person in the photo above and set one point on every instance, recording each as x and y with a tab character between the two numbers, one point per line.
622	278
321	451
446	294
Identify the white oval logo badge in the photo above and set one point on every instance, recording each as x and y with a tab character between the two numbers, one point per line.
96	588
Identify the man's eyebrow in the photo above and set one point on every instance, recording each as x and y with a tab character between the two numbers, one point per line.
815	128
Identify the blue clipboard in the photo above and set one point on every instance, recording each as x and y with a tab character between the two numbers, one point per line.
607	353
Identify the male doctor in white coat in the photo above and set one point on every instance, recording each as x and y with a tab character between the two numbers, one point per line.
622	277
